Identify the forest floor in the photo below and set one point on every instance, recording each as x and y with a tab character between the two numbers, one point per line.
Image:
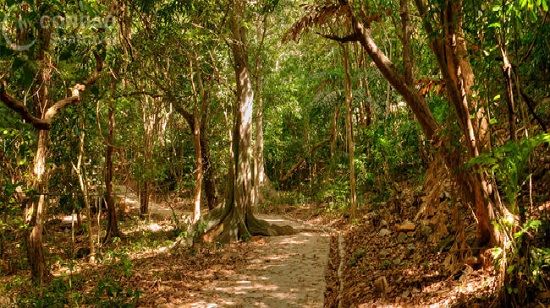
373	261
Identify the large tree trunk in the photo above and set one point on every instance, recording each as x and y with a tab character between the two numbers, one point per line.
235	221
458	76
259	167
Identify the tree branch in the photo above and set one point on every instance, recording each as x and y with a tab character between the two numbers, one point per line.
137	93
354	37
531	106
22	110
397	80
46	122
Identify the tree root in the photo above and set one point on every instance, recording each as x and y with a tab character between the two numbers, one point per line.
225	225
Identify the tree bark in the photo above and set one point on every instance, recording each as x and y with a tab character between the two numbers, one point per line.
259	170
349	132
199	172
452	57
112	221
210	189
35	214
198	151
81	173
44	113
235	220
416	102
259	167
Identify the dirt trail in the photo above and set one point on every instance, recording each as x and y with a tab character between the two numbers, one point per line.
279	271
282	271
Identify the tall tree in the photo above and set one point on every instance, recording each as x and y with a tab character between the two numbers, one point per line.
45	110
234	220
449	47
349	131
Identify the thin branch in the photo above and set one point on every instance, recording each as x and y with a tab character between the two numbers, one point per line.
530	49
354	37
531	106
137	93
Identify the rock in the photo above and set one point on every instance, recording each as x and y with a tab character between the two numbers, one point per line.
383	223
402	236
406	226
396	261
411	246
384	232
381	285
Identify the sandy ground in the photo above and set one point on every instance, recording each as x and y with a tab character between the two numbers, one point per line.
282	271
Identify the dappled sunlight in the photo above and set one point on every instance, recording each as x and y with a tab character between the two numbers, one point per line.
279	272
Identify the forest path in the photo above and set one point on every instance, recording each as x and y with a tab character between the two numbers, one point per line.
280	271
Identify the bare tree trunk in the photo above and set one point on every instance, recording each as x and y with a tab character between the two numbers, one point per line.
454	64
510	102
199	172
259	170
406	31
334	129
198	152
259	167
112	221
209	171
242	135
349	132
210	189
35	214
81	173
150	122
236	220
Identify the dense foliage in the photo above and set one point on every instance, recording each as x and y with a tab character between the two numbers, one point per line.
163	72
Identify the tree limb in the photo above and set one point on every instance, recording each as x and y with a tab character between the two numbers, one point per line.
531	106
397	80
45	123
137	93
22	110
354	37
